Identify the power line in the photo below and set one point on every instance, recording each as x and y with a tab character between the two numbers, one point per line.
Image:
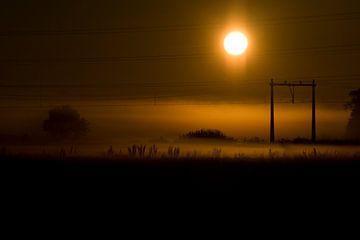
328	80
115	97
112	86
310	18
185	27
171	104
351	48
126	59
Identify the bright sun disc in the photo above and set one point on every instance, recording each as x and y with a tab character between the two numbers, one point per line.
236	43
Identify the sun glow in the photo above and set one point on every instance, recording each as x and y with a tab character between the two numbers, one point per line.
236	43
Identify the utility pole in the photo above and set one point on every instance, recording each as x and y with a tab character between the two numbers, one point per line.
313	132
272	117
292	87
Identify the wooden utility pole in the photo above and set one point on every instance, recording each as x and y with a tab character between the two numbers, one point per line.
272	117
313	135
292	91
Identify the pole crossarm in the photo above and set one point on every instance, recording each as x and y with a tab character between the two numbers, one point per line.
293	84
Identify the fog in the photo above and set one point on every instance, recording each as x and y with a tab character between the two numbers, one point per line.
146	122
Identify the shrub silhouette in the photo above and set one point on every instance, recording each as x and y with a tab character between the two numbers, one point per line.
173	152
65	122
140	151
207	134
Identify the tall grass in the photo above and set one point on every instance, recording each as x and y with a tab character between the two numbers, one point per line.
153	152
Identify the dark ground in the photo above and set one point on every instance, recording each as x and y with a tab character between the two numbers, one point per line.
165	176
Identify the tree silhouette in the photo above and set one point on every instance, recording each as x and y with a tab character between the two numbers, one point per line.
64	122
353	127
207	134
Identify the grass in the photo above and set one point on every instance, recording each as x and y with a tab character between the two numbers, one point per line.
154	153
147	169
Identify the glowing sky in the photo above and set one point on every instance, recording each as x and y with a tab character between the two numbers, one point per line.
106	52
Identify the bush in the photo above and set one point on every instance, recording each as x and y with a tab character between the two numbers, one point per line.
65	122
207	134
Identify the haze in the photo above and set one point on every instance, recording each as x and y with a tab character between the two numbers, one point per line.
133	67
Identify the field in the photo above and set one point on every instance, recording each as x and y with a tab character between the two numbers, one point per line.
191	149
184	167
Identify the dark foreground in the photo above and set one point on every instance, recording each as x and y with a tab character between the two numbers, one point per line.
179	176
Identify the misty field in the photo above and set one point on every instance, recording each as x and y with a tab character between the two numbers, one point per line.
179	168
211	150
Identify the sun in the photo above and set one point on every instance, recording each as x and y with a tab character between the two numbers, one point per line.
236	43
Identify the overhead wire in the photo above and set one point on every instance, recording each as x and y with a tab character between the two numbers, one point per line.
344	16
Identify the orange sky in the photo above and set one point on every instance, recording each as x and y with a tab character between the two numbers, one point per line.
115	52
152	122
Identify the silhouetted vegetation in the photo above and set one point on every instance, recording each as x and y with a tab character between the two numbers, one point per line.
210	134
353	127
65	122
212	173
141	152
137	151
173	152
